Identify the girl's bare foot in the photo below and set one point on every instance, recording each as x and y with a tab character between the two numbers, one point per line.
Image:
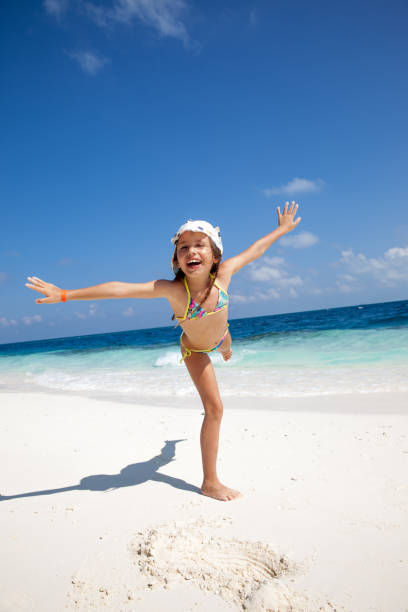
219	491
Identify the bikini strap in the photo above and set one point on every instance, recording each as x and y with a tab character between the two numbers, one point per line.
183	318
217	284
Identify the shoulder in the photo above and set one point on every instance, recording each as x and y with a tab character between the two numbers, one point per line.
166	288
177	295
176	288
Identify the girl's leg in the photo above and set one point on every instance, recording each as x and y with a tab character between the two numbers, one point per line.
202	372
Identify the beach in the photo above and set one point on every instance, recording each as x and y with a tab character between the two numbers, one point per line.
201	197
101	508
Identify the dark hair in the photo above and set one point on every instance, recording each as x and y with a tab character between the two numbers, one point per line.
214	269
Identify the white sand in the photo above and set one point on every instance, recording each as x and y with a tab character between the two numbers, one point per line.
323	523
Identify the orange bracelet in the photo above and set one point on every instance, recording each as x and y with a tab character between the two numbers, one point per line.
63	295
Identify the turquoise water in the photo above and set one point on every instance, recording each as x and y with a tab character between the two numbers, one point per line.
344	350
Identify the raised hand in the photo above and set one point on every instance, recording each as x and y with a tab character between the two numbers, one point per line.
286	220
52	293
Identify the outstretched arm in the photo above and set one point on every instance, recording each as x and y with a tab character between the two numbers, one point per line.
110	290
286	223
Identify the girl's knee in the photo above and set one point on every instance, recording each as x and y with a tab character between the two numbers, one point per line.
213	409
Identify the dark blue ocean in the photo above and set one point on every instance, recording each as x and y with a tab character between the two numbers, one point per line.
358	349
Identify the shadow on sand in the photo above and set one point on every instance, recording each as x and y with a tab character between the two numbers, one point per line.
129	476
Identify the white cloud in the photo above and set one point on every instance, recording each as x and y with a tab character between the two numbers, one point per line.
89	62
34	319
265	273
396	253
266	269
344	287
91	312
389	270
56	8
165	16
6	322
269	294
270	270
347	278
291	281
296	185
273	269
256	296
129	312
299	241
3	277
237	298
346	283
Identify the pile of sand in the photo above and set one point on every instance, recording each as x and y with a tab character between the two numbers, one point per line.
248	574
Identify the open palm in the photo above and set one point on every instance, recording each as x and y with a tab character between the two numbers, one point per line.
52	292
286	219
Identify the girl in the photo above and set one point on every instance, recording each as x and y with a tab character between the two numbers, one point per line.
199	300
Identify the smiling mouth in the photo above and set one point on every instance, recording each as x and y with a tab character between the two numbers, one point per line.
194	263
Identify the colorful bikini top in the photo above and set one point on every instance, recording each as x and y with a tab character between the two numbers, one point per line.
194	310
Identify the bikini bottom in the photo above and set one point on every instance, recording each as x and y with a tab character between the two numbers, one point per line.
188	351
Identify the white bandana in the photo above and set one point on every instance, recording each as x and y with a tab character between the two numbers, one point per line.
200	226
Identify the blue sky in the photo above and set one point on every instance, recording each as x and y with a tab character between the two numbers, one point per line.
122	119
